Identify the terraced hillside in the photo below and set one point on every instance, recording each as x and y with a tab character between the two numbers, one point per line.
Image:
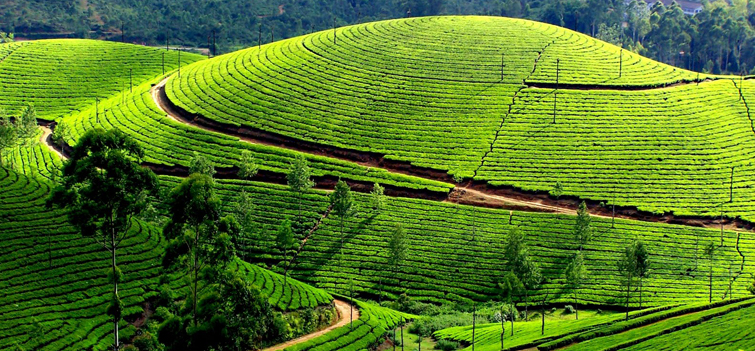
61	77
456	251
171	143
656	327
474	97
53	282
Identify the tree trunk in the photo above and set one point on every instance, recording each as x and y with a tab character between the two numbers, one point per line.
196	274
285	272
542	324
640	292
576	310
710	282
116	345
629	284
512	318
503	327
526	305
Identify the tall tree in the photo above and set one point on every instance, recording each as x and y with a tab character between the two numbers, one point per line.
299	179
285	240
196	231
582	229
710	251
103	189
642	266
521	264
627	266
19	132
377	197
343	206
575	274
510	286
243	210
398	246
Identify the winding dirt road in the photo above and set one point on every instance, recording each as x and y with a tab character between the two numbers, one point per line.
344	314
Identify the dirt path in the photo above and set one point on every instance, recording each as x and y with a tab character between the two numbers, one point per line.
344	314
46	139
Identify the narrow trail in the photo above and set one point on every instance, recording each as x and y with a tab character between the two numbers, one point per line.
344	312
46	139
309	234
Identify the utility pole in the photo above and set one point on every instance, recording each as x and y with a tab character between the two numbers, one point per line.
722	224
402	333
272	34
503	327
621	61
131	80
555	93
502	59
214	44
474	322
731	185
259	39
334	31
179	62
97	110
163	62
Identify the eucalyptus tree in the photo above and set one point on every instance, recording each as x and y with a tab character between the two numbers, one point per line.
104	189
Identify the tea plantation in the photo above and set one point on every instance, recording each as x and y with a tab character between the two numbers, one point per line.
474	97
527	119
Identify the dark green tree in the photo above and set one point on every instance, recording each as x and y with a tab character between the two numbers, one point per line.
285	240
511	287
103	189
575	274
710	251
243	210
377	197
299	178
519	262
642	268
398	247
343	206
201	165
199	238
582	228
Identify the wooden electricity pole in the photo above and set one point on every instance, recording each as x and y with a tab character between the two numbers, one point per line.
555	93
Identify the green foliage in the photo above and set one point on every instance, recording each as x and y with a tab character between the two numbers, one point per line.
201	165
248	168
102	190
557	190
446	345
61	134
582	230
44	306
751	288
378	197
398	247
231	314
342	205
68	75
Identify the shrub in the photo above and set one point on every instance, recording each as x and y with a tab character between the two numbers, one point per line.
447	345
569	309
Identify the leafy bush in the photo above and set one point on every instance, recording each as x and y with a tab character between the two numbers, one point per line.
569	309
447	345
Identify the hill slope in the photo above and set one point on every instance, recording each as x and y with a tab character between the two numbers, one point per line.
61	77
474	96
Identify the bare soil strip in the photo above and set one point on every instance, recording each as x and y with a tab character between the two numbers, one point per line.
344	312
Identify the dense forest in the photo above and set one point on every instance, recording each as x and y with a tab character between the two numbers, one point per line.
718	39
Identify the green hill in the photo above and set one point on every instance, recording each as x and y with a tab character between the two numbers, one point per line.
61	77
53	282
456	252
474	96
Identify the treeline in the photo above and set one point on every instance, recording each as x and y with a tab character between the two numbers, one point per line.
720	39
